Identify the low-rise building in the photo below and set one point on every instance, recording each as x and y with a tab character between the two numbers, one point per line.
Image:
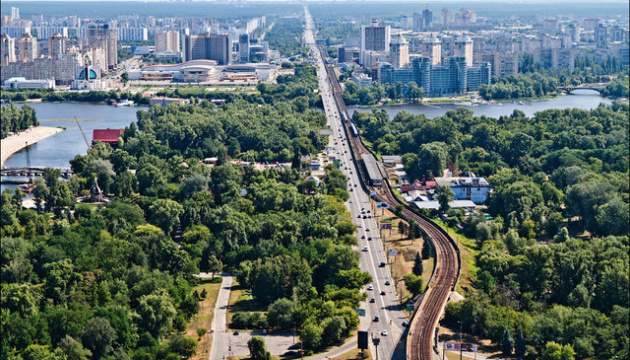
476	189
22	83
160	100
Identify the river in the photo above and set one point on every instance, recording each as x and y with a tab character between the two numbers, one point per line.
59	149
581	99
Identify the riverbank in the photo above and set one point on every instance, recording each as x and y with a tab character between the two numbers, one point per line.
19	141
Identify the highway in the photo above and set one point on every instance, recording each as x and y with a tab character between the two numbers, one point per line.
420	342
386	306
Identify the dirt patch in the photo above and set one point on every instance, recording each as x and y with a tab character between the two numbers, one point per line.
203	319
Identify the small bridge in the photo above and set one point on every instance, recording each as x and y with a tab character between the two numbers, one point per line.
570	89
33	171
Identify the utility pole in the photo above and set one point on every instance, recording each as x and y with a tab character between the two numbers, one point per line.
461	355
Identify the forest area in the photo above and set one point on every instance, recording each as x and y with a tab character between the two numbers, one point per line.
16	119
553	261
114	281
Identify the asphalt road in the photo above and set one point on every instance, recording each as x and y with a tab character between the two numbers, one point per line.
386	307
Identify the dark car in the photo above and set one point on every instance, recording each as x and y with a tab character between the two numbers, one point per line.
290	353
368	229
363	237
376	319
382	292
294	346
372	300
369	239
387	282
365	217
236	332
382	264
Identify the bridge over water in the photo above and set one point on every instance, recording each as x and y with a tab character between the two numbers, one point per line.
32	171
569	89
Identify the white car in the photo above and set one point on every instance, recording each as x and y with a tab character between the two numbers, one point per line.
384	333
365	248
370	287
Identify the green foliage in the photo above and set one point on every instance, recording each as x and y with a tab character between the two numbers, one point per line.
15	119
285	37
417	265
280	314
257	349
414	284
514	88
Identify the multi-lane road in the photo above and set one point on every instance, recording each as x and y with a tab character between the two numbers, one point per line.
389	328
420	344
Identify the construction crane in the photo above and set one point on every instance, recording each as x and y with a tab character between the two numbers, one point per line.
82	133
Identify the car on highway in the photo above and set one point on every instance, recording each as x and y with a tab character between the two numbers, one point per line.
384	333
382	292
351	189
359	216
405	324
370	239
365	216
387	282
376	319
355	185
360	226
382	264
370	287
365	249
372	300
368	229
290	353
362	237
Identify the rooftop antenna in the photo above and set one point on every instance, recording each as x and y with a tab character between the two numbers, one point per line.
82	133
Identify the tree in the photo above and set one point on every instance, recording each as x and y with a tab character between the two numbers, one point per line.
98	336
507	343
214	265
333	330
124	78
444	196
280	314
165	214
74	350
414	284
402	228
156	312
257	349
417	265
311	336
519	344
426	249
185	346
555	351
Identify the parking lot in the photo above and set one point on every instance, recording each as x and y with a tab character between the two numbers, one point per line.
277	343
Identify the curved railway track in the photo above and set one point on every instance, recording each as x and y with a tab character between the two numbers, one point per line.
421	334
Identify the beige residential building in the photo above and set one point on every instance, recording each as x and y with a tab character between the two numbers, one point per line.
27	48
399	51
105	36
56	46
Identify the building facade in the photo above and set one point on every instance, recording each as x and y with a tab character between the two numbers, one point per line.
105	36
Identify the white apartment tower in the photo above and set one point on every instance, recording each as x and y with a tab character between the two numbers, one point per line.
166	41
464	47
374	38
7	49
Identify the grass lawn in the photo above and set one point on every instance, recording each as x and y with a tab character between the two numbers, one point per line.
353	355
241	300
407	248
203	319
468	251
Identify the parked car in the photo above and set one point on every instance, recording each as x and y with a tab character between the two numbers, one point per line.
376	318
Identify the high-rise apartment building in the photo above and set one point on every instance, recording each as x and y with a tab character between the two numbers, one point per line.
445	17
427	16
243	48
208	46
601	34
166	41
432	48
56	46
399	51
27	48
348	54
374	38
105	35
464	48
7	49
15	13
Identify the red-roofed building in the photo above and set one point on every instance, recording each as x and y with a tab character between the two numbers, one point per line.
109	136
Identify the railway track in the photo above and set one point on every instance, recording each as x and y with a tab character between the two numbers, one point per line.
422	329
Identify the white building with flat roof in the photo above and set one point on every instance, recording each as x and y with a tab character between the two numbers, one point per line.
22	83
